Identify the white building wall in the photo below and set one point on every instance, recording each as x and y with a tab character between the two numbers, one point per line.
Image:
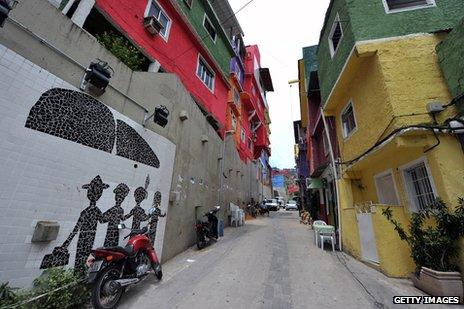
42	175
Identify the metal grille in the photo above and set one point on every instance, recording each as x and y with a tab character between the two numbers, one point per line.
421	186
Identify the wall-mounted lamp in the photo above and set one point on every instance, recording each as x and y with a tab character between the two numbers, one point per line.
97	77
5	7
160	116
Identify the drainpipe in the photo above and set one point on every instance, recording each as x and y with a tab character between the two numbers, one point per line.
334	168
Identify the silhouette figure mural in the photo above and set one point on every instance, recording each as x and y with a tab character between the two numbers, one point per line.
86	226
154	217
138	213
115	215
79	118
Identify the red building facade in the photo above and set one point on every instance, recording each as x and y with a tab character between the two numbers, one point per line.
177	48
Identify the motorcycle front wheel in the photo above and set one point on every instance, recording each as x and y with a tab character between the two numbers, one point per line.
106	293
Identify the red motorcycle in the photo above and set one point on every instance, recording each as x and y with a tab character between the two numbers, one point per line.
112	269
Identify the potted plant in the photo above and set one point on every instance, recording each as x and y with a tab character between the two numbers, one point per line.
433	237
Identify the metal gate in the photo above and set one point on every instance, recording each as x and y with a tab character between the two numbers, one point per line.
367	238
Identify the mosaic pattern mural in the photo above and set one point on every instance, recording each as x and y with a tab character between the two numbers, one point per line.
130	145
115	215
74	116
78	117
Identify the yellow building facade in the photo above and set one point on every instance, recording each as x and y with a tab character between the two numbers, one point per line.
387	153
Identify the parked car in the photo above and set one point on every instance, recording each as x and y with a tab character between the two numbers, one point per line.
272	204
291	205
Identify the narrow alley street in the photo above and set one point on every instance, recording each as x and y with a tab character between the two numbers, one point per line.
269	263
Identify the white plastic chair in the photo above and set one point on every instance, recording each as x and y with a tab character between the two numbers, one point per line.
325	237
235	218
242	217
316	233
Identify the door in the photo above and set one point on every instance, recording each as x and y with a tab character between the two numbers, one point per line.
367	238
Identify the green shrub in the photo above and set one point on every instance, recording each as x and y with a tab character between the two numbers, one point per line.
8	295
74	296
433	246
120	47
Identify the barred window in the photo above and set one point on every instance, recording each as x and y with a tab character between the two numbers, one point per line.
419	186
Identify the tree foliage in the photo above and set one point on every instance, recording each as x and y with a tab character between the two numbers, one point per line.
120	47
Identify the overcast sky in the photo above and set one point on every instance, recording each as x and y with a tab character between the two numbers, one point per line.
281	29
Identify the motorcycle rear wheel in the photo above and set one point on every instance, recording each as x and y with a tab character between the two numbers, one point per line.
105	295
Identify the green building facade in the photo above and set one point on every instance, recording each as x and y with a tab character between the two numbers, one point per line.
221	49
363	20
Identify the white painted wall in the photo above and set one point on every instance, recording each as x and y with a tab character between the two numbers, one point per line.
41	175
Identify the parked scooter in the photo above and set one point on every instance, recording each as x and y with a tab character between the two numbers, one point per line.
112	269
207	231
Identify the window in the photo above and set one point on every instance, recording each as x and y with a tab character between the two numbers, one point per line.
386	189
392	6
335	36
156	11
189	3
209	28
419	185
348	120
242	135
205	74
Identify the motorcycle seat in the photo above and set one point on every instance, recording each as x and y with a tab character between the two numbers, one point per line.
128	250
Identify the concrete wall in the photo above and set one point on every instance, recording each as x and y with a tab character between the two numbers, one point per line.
63	50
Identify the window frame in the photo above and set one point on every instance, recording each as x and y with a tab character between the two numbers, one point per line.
200	58
333	51
204	26
431	4
411	197
162	10
381	175
345	135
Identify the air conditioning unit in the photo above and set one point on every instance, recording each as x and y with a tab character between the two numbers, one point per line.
152	25
308	182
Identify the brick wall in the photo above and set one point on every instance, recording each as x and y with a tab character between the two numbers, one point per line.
42	174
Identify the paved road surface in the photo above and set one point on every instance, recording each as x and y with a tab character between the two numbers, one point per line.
268	263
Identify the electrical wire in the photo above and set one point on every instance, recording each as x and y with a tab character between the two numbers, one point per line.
396	117
393	133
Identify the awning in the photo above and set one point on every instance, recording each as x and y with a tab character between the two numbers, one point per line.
315	183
